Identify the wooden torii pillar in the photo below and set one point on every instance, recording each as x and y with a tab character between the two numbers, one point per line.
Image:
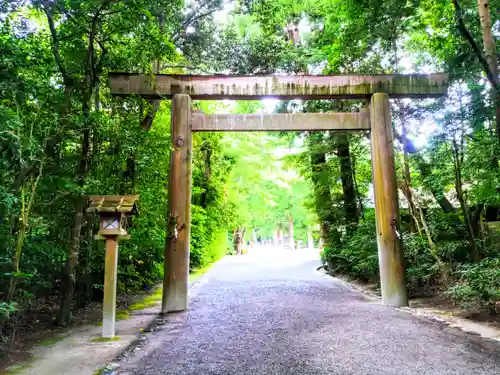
176	259
377	88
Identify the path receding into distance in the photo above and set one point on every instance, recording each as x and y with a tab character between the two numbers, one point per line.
272	313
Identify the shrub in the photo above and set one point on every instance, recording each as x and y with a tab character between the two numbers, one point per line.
423	272
7	310
218	247
478	285
208	240
357	255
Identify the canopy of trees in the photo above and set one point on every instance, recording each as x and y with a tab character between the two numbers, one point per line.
63	137
447	150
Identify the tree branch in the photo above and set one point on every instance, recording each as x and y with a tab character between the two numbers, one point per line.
104	52
55	44
176	36
147	121
200	16
192	18
475	47
194	13
90	69
154	105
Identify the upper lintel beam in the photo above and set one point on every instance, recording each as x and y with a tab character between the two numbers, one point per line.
281	122
163	86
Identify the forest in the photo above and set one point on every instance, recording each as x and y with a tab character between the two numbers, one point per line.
63	137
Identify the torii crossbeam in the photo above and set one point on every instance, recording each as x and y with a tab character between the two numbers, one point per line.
280	122
164	86
376	88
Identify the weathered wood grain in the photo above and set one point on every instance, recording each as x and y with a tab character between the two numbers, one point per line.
390	246
281	87
280	122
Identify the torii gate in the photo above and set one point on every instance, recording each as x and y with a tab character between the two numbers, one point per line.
376	88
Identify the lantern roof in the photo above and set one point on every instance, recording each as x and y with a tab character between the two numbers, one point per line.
113	203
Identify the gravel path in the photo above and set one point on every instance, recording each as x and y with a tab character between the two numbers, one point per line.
264	315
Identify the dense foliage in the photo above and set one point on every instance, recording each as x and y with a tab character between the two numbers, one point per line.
447	150
64	137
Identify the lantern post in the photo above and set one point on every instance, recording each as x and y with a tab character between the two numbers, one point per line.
114	211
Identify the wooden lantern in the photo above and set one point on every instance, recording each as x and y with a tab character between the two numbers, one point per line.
113	211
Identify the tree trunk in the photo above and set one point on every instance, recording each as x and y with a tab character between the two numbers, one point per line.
406	168
238	240
346	174
458	150
412	206
444	268
206	175
70	269
84	282
359	197
254	236
425	172
483	228
476	216
154	105
310	240
488	60
242	239
426	229
91	79
88	86
490	54
466	213
69	274
323	198
22	230
291	240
